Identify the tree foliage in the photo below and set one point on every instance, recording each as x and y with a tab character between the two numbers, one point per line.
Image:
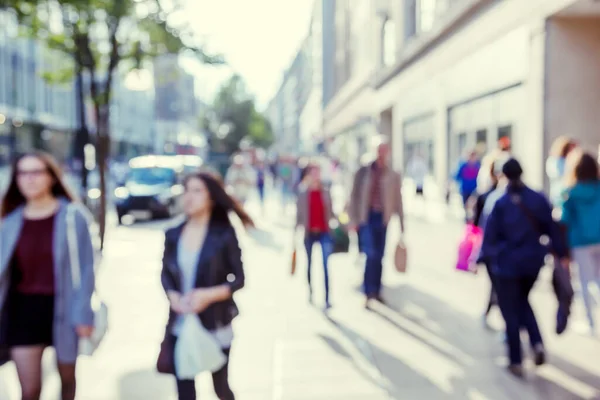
235	106
102	37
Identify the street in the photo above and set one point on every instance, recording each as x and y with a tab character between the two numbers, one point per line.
428	342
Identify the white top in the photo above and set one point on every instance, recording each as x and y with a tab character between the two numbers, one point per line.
417	170
187	261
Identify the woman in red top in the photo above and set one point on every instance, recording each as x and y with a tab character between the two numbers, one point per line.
38	308
314	212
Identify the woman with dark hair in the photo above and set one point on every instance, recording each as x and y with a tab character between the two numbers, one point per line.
581	215
202	268
513	243
314	212
38	305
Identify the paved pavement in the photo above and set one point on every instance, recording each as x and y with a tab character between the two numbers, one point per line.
427	343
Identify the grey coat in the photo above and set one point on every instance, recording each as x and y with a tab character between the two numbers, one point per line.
71	307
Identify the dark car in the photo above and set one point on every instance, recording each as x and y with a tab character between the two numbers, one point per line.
153	186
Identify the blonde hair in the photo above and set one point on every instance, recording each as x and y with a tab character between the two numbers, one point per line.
561	147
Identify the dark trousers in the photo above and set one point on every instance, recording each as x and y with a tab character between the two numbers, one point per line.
372	237
324	239
493	300
186	388
513	299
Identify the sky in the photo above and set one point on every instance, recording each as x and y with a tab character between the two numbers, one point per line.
258	38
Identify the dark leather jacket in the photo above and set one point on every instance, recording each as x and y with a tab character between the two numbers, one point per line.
220	263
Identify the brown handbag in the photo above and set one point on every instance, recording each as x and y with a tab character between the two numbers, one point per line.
293	270
400	258
165	364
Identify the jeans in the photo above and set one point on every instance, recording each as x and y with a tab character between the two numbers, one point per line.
261	192
324	239
588	261
372	238
513	299
186	388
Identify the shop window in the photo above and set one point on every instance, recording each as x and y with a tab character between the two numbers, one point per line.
481	142
505	136
461	142
505	132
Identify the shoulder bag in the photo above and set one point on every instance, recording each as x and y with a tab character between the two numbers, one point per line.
87	346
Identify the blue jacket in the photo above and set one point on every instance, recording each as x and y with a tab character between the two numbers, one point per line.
581	214
466	176
72	306
511	240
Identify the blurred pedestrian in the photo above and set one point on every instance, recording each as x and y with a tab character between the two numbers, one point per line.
314	213
376	196
261	177
417	169
39	304
466	176
240	179
513	244
202	269
493	167
581	215
555	166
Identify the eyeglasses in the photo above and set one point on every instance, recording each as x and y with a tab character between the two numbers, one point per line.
34	173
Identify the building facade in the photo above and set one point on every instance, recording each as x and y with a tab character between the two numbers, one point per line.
455	75
33	112
133	130
176	109
38	114
348	121
296	111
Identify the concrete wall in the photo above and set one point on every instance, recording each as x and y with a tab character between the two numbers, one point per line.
573	80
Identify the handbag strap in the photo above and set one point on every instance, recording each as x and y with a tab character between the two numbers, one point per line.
532	220
73	248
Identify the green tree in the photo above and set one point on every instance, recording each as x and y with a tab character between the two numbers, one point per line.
104	37
233	105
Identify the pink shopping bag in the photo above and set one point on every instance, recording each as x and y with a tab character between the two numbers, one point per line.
468	249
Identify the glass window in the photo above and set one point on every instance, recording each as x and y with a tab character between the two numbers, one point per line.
389	43
410	18
481	140
427	12
14	91
4	72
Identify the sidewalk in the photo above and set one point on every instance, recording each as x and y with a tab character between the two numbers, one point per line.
427	344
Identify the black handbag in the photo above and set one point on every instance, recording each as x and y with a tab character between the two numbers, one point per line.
165	364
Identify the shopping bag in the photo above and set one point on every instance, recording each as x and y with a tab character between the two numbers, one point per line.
293	270
400	257
341	240
196	350
469	247
563	289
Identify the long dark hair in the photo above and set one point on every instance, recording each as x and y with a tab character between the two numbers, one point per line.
222	202
13	198
581	167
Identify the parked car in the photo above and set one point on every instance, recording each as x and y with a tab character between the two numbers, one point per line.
153	186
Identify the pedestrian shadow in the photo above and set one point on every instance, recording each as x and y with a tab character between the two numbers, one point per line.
464	340
146	385
401	380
